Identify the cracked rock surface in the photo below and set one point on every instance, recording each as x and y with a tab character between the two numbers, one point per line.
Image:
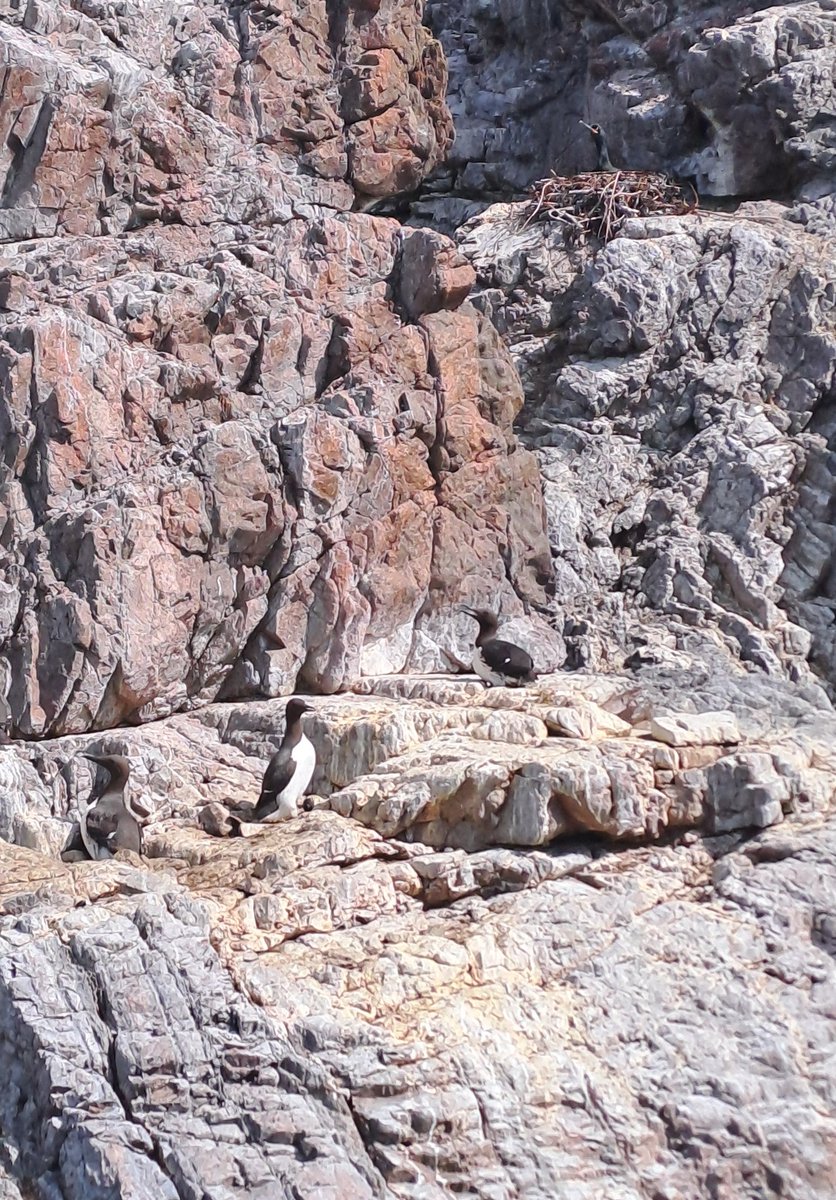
252	438
679	386
318	1011
520	946
569	942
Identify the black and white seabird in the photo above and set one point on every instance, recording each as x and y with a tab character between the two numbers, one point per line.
111	820
288	774
499	663
604	162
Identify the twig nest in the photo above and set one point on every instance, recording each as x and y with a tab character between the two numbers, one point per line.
596	204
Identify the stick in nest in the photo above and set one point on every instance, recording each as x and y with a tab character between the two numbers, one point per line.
596	204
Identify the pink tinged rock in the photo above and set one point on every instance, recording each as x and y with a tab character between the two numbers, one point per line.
696	729
434	275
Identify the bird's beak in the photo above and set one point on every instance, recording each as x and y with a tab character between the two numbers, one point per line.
94	758
589	127
471	612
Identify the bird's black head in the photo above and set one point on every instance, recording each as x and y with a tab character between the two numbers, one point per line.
118	765
101	760
294	710
488	623
597	133
604	163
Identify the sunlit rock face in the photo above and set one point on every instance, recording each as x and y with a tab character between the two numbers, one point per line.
572	941
250	435
488	884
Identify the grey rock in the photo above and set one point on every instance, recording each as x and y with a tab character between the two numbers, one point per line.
739	100
168	1082
705	729
677	384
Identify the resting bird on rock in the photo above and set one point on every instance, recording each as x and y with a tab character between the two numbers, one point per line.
111	820
288	774
499	663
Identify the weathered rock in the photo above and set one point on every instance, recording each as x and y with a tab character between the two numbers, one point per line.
684	432
296	1014
180	1084
703	729
235	459
159	422
448	763
255	441
739	100
115	117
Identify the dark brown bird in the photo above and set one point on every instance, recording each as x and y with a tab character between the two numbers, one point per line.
111	820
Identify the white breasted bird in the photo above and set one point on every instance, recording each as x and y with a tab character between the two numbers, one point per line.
112	818
499	663
288	774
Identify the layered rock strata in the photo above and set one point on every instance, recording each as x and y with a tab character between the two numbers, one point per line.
248	435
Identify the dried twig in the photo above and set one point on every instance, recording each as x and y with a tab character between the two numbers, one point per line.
596	204
610	13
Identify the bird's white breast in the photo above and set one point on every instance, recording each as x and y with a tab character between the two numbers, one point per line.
304	760
97	852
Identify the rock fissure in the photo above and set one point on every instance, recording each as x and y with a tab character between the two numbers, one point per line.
576	938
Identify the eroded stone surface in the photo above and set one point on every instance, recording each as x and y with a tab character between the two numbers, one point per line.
298	1012
448	763
327	1010
678	387
738	97
248	431
246	472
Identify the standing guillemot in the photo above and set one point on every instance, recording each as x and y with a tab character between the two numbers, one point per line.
111	820
499	663
287	777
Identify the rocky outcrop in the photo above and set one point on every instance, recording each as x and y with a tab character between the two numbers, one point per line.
738	97
679	383
322	1011
446	764
246	434
116	115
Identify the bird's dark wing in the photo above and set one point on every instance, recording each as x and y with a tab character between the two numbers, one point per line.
276	778
74	843
128	835
101	826
279	771
507	659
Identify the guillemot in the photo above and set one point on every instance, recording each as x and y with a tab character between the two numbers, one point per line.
499	663
111	820
287	777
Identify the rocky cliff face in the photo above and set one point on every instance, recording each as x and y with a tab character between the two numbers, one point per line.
247	431
570	941
738	97
679	389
